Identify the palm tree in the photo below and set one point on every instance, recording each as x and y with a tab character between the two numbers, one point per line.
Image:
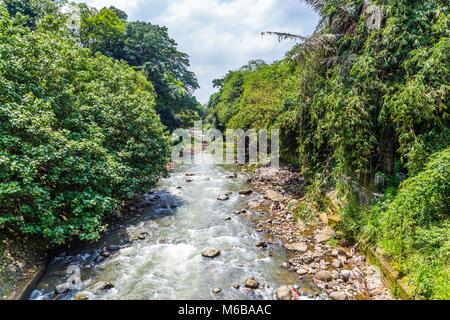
334	23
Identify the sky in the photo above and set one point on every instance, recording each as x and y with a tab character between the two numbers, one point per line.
222	35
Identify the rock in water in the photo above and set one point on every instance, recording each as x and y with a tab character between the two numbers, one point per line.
82	296
62	288
211	253
223	198
217	290
324	276
261	244
246	192
338	296
251	283
107	286
284	293
99	259
105	254
113	248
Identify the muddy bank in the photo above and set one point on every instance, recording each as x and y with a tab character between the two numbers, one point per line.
22	262
315	252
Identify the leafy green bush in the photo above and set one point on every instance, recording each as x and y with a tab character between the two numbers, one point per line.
415	228
79	135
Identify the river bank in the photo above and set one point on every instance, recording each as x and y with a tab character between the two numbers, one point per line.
22	263
315	251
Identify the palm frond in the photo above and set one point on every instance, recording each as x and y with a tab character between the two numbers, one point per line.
317	5
318	42
285	36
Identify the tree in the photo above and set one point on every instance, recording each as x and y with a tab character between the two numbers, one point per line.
31	10
148	47
79	135
120	13
103	32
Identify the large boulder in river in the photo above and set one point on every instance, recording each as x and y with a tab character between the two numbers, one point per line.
223	198
211	253
62	288
251	283
284	293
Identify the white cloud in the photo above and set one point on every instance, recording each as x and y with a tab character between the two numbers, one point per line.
221	35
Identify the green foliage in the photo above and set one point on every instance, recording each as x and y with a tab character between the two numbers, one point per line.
258	96
149	48
362	102
31	10
79	135
103	32
415	227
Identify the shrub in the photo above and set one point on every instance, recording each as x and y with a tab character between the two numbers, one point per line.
79	135
415	228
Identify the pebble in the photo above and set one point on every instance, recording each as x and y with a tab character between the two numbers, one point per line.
324	276
338	296
302	272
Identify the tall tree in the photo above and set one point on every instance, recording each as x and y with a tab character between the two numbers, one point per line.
31	10
103	32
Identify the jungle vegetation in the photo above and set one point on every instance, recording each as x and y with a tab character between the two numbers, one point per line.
358	105
83	115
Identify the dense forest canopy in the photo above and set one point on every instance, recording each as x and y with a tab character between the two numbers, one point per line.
87	96
80	114
362	101
149	48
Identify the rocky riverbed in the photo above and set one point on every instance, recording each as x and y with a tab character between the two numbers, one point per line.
209	232
315	252
188	239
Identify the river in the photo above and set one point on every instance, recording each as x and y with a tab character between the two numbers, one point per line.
160	250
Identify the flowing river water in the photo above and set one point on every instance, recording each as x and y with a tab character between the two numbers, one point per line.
160	250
